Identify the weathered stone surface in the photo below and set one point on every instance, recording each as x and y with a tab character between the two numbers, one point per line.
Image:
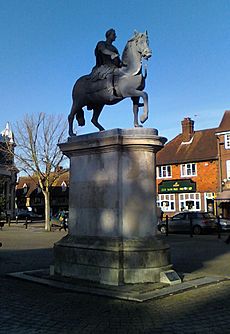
112	260
112	218
112	182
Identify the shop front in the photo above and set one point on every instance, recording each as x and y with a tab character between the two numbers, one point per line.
181	195
223	203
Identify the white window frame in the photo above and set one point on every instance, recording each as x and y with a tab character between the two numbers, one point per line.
228	169
207	196
186	168
227	141
164	172
164	199
187	197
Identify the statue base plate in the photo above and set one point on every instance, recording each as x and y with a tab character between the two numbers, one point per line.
111	260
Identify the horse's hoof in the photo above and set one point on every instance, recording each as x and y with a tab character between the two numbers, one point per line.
138	126
72	134
81	122
143	119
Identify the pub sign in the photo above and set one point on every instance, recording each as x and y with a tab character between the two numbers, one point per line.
176	186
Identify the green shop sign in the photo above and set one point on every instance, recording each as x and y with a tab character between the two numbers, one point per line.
177	186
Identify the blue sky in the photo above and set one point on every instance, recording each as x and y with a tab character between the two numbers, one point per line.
47	44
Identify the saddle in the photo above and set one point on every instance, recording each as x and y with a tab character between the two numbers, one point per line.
105	77
100	73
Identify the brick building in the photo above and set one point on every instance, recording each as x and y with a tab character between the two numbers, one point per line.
29	194
223	146
192	167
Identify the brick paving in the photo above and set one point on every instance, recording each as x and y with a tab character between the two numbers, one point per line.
32	308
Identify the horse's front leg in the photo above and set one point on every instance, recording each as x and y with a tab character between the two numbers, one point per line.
144	95
136	106
145	114
96	113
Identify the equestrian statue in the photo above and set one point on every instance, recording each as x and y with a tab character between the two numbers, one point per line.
112	79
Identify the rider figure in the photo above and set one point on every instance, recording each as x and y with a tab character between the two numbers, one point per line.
106	53
107	60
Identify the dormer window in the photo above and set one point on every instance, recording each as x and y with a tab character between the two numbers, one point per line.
25	188
227	141
63	186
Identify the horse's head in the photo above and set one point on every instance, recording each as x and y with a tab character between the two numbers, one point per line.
142	44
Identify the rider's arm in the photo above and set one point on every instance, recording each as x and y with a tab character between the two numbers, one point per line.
101	47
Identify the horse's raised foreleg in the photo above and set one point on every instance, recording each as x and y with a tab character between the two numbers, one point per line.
96	113
145	114
144	95
136	106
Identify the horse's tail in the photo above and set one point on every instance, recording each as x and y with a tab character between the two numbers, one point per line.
77	105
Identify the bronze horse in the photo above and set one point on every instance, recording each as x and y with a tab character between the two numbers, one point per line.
128	82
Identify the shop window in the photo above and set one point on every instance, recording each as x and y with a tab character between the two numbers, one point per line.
164	172
228	169
188	170
209	202
190	202
166	202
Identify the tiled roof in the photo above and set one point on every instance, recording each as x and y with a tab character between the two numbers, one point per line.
32	184
202	147
225	122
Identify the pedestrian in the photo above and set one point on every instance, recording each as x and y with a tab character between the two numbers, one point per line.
227	241
62	220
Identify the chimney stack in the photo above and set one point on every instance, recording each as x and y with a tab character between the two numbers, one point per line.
187	129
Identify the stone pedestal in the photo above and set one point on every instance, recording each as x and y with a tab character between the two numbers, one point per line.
112	213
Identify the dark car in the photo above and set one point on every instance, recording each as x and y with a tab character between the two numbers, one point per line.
22	215
199	222
224	224
2	219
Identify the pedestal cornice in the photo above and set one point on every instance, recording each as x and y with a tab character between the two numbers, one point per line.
137	138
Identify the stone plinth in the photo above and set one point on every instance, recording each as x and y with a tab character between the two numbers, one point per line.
112	214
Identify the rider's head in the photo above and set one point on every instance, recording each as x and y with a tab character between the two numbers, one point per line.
111	34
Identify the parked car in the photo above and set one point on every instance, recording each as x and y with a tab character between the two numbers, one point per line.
180	222
2	219
27	214
225	224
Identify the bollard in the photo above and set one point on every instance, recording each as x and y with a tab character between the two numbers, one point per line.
167	225
191	227
8	220
16	220
26	223
218	227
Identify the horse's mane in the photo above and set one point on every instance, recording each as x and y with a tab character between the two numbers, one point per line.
124	54
127	46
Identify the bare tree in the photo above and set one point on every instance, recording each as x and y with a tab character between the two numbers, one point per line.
37	154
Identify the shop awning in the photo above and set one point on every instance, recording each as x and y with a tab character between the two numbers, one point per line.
224	196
